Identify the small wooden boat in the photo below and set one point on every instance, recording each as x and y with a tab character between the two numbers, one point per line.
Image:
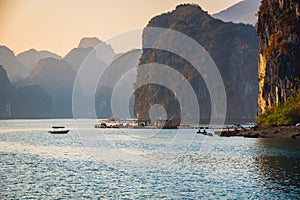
59	130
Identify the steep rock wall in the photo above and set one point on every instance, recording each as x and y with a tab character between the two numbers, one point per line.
278	29
234	49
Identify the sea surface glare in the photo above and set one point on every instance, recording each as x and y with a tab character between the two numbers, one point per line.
142	164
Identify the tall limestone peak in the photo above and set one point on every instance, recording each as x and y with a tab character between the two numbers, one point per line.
103	51
14	68
184	13
234	49
278	29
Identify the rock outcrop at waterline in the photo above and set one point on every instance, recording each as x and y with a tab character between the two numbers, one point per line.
278	29
291	132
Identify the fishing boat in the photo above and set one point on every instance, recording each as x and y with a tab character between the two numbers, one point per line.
59	130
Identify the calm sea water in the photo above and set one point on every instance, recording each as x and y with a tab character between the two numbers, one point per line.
143	164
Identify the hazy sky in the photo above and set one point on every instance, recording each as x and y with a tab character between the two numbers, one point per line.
58	25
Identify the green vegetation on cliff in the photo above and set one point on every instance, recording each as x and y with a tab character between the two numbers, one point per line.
285	114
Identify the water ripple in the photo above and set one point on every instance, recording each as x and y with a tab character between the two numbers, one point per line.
35	164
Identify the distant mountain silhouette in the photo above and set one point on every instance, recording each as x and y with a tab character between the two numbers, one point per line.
104	51
7	91
88	42
242	12
14	68
115	72
48	80
30	57
44	73
25	102
31	102
76	56
90	70
57	78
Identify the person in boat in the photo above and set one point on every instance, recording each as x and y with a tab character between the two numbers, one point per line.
204	131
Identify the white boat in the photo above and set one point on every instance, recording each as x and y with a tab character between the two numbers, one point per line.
59	130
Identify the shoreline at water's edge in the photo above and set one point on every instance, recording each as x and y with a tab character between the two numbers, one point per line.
266	132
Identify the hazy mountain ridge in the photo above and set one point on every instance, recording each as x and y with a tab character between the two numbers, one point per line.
242	12
24	102
93	49
56	75
104	51
76	56
88	42
122	64
57	78
30	57
14	68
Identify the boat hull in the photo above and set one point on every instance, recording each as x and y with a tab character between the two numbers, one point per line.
59	132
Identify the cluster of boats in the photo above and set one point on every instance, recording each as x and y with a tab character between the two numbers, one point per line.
134	123
113	123
209	130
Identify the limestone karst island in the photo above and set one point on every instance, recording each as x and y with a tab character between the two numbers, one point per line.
152	99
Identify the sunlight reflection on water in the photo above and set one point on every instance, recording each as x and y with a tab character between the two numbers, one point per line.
35	164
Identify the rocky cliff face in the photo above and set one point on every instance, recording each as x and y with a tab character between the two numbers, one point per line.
278	29
234	49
